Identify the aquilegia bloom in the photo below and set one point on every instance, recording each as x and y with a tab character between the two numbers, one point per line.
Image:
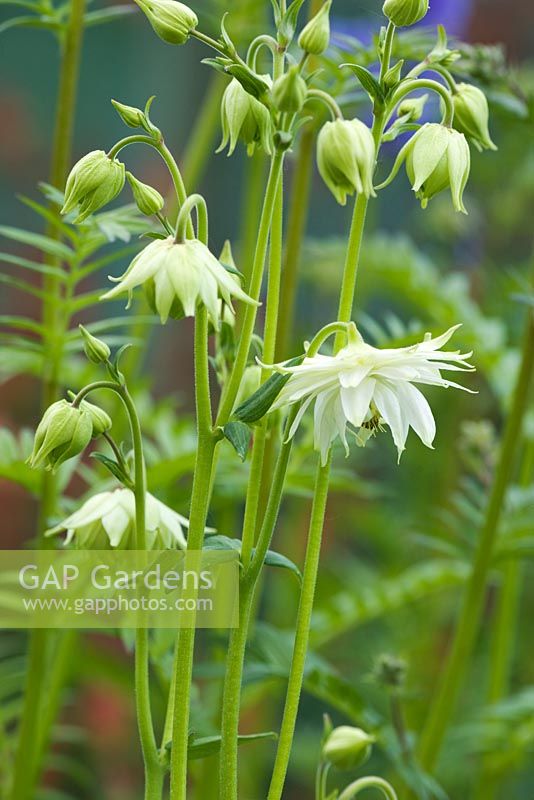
108	519
364	387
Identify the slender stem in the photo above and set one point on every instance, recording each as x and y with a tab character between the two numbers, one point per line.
26	766
443	706
238	636
200	497
327	100
368	783
307	596
407	87
232	387
388	48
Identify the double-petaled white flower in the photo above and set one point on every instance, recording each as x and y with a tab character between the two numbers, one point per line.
177	276
365	387
108	519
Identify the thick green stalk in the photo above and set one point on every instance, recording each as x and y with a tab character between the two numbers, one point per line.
232	388
238	636
200	498
27	765
443	706
307	596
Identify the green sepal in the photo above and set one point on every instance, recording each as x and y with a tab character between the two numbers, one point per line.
239	436
258	404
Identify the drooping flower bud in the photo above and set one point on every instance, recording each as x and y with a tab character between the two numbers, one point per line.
131	116
471	115
405	12
101	421
94	181
171	20
437	158
178	276
95	349
315	36
412	108
246	118
147	199
289	91
346	158
347	748
64	432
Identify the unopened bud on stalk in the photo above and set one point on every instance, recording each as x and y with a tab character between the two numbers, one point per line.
95	349
289	91
412	107
315	36
347	748
246	118
471	115
131	116
147	199
172	21
94	181
405	12
393	75
101	421
64	432
346	158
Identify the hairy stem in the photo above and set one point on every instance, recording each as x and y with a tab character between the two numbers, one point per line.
443	706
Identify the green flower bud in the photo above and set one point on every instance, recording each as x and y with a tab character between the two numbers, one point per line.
94	181
131	116
64	432
148	200
412	108
346	158
101	421
315	36
243	117
172	21
347	748
178	276
393	75
437	158
290	91
471	115
95	349
405	12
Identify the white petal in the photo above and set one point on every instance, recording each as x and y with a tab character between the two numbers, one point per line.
417	411
389	408
116	523
356	401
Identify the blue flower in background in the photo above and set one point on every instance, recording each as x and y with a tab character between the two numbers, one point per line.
455	15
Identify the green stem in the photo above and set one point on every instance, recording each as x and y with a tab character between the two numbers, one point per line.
238	637
200	141
451	681
26	766
388	48
200	497
407	87
307	596
232	387
368	783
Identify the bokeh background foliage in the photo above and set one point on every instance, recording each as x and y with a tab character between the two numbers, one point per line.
399	538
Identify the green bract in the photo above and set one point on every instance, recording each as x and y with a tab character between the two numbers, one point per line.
172	21
346	158
243	117
94	181
178	276
64	432
347	748
471	115
315	37
437	158
147	199
405	12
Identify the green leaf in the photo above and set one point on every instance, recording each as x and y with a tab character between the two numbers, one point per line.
22	323
206	746
288	25
368	81
110	14
47	23
274	559
42	243
115	468
239	436
260	402
35	266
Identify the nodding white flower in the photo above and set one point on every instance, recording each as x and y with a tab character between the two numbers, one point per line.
246	118
177	276
365	387
108	519
436	158
471	115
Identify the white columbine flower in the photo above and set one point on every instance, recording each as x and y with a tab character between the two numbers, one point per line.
365	387
177	276
108	519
